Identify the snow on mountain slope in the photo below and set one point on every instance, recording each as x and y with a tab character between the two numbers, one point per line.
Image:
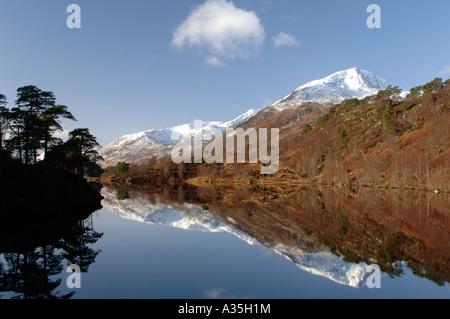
183	216
138	148
326	264
191	217
347	84
317	96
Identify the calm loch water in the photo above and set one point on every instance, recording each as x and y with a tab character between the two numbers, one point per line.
199	243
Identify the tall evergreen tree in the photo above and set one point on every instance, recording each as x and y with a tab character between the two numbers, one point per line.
3	114
50	123
15	127
82	149
31	103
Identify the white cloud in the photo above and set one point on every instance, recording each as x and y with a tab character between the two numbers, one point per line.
445	70
214	61
284	39
222	30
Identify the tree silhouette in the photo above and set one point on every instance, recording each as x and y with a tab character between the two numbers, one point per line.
28	274
35	247
31	103
76	245
3	114
82	150
51	121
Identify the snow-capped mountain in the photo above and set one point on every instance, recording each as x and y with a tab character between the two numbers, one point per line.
323	93
347	84
191	217
138	148
134	148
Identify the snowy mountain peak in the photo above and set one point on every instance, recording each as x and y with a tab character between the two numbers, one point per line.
335	88
353	79
138	148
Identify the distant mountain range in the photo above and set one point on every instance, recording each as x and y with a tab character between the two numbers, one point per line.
138	148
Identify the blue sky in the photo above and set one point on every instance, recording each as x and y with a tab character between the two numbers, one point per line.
142	64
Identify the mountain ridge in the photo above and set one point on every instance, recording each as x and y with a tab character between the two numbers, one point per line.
335	88
138	148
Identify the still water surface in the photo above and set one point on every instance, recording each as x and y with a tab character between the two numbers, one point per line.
141	246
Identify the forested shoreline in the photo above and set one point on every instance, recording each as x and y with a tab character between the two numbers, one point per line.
43	178
29	142
383	141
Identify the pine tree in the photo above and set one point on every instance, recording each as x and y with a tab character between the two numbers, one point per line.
31	103
3	114
50	123
82	150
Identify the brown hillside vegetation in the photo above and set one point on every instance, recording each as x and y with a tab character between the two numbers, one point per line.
380	141
390	227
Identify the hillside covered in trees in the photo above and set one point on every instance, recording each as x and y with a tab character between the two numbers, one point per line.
385	140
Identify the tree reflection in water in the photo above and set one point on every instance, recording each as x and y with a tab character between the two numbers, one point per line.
39	237
392	228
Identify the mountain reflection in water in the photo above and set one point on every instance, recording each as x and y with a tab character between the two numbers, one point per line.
333	233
